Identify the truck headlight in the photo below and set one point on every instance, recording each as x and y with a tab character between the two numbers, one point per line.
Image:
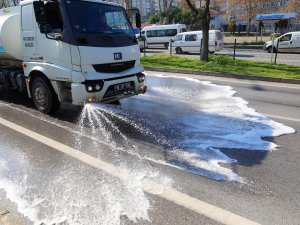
90	88
94	85
98	87
141	77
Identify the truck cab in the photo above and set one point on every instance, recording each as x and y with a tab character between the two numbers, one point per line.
78	51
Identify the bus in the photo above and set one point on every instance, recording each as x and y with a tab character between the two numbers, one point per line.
161	34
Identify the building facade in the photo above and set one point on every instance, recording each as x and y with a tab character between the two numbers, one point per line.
240	15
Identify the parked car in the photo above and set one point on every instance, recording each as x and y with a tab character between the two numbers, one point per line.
162	34
191	41
289	42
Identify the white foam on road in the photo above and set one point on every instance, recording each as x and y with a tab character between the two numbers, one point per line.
69	193
189	122
149	185
193	121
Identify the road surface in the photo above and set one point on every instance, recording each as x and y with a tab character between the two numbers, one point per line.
69	169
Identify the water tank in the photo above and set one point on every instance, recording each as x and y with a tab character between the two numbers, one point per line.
10	34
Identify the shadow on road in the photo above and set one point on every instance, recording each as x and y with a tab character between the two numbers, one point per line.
258	88
237	55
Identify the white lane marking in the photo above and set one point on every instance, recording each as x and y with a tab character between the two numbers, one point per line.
229	79
282	117
171	194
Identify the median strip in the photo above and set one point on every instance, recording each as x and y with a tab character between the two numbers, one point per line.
170	194
224	66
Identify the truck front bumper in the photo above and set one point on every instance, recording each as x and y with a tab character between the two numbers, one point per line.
111	89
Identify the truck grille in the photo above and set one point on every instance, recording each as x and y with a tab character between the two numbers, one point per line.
114	67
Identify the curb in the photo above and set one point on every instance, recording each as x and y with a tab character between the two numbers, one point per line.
227	75
7	219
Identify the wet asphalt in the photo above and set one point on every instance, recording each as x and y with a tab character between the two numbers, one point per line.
270	196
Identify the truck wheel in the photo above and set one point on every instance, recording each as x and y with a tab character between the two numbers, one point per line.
178	51
44	96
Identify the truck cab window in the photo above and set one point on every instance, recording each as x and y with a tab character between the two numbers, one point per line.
54	17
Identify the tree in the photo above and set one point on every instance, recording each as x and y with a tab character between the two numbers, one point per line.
293	6
249	7
8	3
128	4
3	4
168	12
202	14
232	27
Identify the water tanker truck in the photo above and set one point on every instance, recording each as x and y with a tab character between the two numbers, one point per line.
72	51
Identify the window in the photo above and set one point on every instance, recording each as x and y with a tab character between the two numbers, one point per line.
151	33
27	18
170	32
162	33
115	21
54	17
93	17
287	37
178	38
191	37
219	36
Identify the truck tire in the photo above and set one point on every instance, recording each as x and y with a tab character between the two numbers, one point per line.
44	97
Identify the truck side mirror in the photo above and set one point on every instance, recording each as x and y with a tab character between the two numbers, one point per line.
138	20
45	28
40	12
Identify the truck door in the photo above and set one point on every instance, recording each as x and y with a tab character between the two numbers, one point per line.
55	52
28	33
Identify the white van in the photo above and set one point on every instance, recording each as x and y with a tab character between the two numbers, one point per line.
161	34
289	42
141	39
142	42
191	41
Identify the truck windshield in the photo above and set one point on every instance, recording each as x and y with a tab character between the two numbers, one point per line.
109	21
